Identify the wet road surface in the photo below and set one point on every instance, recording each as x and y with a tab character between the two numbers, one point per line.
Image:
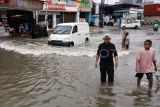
33	74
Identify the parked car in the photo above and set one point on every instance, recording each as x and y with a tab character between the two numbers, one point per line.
70	34
109	21
136	24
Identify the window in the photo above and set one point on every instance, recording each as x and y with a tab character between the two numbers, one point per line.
62	30
75	29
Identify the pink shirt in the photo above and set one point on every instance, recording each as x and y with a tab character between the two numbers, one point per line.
145	60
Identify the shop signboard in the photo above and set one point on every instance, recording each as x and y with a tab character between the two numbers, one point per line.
86	3
56	5
26	4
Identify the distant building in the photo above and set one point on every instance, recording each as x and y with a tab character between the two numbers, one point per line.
62	11
125	9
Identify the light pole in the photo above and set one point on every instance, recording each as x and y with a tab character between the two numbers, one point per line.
101	7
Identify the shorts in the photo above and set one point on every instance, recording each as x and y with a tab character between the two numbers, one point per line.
149	76
127	46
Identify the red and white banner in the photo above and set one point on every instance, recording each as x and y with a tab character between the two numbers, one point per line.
55	5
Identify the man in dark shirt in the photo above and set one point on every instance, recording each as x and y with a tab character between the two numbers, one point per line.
106	52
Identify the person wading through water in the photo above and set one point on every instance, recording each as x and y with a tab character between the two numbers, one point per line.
146	64
106	51
126	41
123	31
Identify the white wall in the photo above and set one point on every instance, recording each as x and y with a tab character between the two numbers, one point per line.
54	20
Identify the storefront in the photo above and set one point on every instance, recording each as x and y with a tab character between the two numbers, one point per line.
71	11
16	12
17	17
59	12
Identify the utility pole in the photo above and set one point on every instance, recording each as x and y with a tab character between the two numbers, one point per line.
101	7
46	14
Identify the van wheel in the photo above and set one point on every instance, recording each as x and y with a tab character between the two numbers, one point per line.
86	40
136	27
70	44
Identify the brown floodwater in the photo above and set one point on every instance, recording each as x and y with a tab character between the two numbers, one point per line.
33	74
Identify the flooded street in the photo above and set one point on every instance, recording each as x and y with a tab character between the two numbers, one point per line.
33	74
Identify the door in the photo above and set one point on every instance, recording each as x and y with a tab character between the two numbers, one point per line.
75	35
69	17
82	33
128	24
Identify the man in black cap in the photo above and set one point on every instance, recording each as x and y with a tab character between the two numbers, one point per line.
106	52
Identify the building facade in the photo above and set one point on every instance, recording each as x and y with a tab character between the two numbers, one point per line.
62	11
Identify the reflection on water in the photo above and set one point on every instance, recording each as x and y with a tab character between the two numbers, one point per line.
106	97
141	98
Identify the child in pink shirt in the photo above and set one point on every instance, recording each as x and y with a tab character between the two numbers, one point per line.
146	64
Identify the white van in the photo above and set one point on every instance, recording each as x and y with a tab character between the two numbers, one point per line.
70	34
